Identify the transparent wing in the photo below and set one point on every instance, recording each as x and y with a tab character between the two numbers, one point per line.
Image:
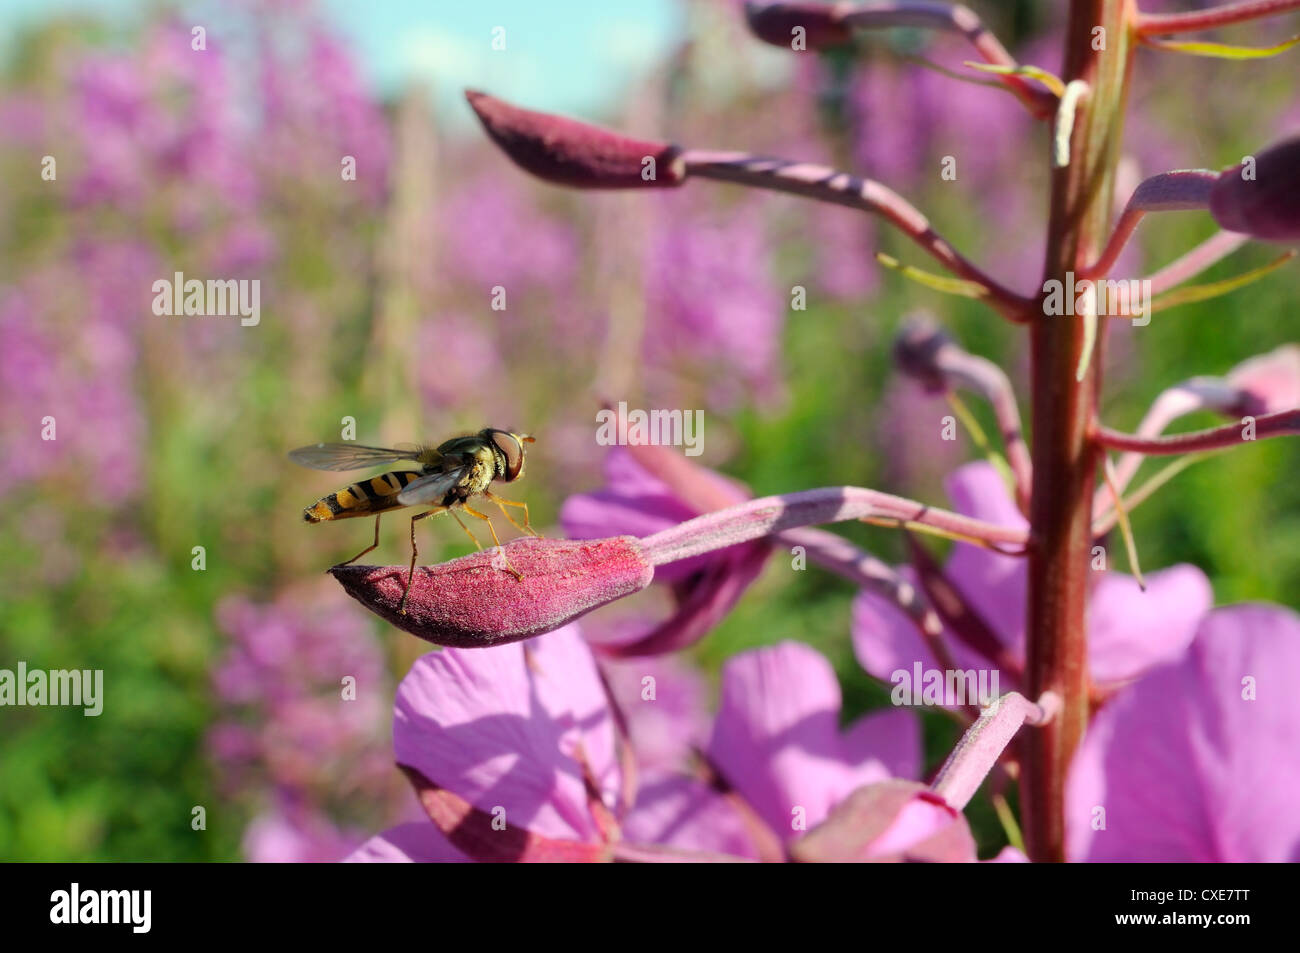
351	456
430	489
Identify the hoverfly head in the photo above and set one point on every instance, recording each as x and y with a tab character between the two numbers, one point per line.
510	447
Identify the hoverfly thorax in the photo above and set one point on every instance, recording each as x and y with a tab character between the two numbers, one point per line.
508	449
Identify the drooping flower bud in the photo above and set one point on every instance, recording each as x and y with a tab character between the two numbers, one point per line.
574	153
779	24
476	602
1259	197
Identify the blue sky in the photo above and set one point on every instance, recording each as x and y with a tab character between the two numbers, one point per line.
564	55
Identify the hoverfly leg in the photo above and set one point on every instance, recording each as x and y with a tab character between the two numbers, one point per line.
503	503
491	529
415	552
373	545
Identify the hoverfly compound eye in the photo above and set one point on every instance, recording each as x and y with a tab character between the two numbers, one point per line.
513	450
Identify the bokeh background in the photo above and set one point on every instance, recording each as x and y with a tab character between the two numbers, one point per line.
222	683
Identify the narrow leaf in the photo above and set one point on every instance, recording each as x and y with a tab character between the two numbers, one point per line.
1214	289
1222	51
1050	80
952	286
1125	529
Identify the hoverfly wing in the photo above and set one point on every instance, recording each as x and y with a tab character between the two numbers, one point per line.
350	456
431	488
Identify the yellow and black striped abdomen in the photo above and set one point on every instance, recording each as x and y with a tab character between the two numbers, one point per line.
362	498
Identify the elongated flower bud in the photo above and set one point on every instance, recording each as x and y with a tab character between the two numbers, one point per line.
575	153
1260	198
475	602
779	23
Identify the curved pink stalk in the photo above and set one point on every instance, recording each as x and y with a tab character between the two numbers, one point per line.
840	188
1282	424
983	743
774	514
1181	190
922	350
1209	252
1164	24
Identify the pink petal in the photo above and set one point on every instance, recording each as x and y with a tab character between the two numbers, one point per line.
889	821
503	730
777	740
1131	631
1188	770
416	842
677	811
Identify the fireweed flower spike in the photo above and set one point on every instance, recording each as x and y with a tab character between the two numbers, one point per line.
577	154
470	602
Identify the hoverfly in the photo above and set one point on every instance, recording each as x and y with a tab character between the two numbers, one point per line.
447	477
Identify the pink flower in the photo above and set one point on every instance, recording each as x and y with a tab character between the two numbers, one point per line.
516	755
1130	631
1196	761
778	743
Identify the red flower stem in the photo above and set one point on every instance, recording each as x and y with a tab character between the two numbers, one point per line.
1164	24
1064	457
1182	190
770	515
1281	424
840	188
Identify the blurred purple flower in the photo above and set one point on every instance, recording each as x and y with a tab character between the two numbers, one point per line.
292	833
1196	761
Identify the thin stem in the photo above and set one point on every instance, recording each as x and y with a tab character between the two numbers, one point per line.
958	19
1164	24
1209	252
1281	424
840	188
769	515
1181	190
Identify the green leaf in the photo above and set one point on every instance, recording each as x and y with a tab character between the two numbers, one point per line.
1222	51
952	286
1171	299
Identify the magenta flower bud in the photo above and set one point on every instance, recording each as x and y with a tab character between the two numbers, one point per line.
475	602
777	23
1260	198
574	153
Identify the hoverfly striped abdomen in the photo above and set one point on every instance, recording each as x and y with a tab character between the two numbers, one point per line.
362	498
